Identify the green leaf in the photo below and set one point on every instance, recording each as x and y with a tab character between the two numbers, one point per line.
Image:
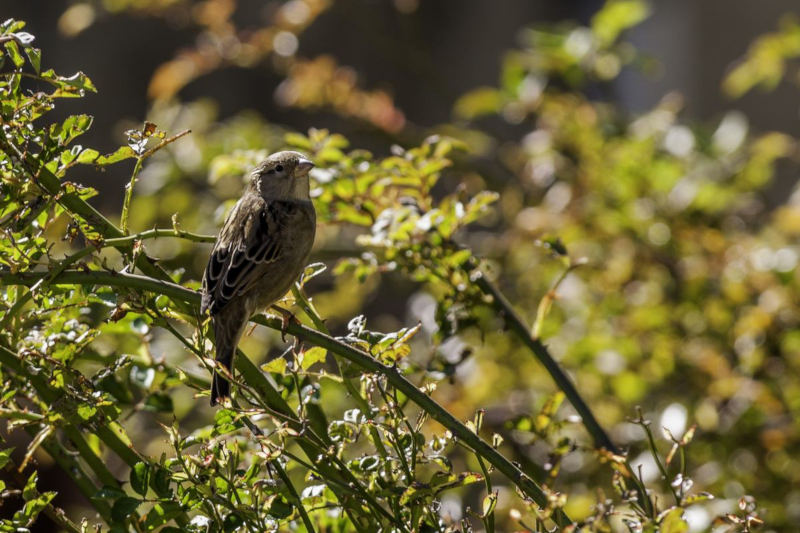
347	213
478	204
122	153
11	25
312	271
672	521
30	492
159	402
276	366
233	521
36	505
298	141
72	127
489	503
226	421
88	156
697	498
80	81
329	156
617	16
108	493
86	411
35	57
13	52
445	480
433	167
124	507
140	477
161	481
160	514
478	102
281	508
312	356
5	457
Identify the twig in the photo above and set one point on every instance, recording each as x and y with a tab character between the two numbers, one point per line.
136	169
355	356
515	323
295	496
54	513
159	232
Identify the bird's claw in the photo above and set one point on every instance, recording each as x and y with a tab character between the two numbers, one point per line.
287	317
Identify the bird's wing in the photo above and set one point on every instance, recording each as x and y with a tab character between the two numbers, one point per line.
242	251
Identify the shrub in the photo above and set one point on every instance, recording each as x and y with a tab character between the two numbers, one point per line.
631	251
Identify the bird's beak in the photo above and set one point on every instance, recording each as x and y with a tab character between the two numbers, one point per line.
302	168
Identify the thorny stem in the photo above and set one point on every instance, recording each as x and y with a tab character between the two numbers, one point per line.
489	520
25	298
516	324
159	232
298	503
55	514
136	169
188	301
126	204
645	425
547	301
308	308
10	360
359	358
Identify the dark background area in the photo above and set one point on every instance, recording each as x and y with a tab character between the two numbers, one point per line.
426	58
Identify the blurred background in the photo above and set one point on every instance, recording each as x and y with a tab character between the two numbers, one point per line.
651	154
423	54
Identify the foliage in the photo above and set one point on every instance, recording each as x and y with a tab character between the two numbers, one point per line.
767	60
636	251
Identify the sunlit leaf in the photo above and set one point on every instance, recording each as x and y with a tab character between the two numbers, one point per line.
312	356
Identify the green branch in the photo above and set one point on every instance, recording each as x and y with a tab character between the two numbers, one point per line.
186	300
69	464
48	181
126	204
355	356
515	323
77	206
189	300
436	411
54	513
9	359
111	433
297	501
159	232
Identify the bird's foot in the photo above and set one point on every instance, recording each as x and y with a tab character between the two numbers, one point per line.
287	317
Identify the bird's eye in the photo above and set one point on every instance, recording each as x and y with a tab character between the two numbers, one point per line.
279	168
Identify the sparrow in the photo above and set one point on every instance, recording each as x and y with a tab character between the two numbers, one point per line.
260	251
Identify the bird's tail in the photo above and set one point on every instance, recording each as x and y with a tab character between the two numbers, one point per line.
227	331
221	387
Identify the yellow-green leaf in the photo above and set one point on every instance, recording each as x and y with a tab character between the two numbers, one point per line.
312	356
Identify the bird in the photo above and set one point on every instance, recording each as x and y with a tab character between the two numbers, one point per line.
260	251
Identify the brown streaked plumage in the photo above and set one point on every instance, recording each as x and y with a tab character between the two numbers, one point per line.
262	248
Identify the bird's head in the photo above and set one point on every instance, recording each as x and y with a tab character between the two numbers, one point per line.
282	175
